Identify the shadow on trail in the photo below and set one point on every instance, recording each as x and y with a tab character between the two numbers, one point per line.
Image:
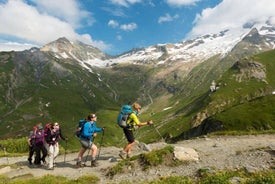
42	166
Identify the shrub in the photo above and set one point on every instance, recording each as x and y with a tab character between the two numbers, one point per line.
15	145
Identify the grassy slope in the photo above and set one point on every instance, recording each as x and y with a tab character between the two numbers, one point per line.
247	108
72	97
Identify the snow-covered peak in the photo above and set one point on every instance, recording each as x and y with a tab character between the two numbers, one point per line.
63	48
200	49
196	50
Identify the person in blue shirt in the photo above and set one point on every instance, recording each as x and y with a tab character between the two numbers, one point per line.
86	140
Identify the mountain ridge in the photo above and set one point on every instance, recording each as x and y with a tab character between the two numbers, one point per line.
198	49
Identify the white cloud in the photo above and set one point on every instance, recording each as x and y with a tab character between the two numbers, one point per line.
271	21
167	18
118	12
128	27
181	2
27	23
233	15
67	10
113	23
8	46
125	3
124	27
119	37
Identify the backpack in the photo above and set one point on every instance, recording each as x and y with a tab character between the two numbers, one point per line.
123	116
79	128
32	135
47	132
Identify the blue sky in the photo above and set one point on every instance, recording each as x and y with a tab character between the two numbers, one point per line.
117	26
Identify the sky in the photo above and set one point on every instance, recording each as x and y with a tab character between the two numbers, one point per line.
117	26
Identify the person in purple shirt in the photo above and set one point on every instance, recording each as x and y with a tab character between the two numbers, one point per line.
39	146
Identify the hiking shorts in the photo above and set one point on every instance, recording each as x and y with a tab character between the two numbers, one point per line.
85	143
129	135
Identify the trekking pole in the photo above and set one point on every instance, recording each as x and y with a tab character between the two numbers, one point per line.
87	155
5	153
158	133
66	144
100	144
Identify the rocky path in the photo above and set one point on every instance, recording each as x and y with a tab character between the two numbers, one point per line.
220	152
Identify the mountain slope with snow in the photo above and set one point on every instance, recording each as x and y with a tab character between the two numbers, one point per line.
196	50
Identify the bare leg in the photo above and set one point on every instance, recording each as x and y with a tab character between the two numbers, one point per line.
80	154
128	147
94	151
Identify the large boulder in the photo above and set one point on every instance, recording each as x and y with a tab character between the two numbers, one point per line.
185	154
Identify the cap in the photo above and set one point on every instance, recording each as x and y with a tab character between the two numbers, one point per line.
40	127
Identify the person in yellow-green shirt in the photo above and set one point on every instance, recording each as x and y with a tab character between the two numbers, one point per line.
132	121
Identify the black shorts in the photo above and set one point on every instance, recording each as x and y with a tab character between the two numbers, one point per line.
129	135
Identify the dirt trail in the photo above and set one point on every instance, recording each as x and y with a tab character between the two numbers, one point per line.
219	152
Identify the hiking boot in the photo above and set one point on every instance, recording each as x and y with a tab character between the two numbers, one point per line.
44	162
79	164
37	165
128	155
122	154
94	163
30	161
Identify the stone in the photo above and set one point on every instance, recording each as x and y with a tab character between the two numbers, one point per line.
185	154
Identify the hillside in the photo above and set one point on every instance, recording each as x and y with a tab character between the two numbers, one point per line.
65	81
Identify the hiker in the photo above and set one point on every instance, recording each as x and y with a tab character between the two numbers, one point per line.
39	146
52	136
133	122
86	140
31	142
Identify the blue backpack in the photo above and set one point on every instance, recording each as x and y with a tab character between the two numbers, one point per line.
79	128
123	116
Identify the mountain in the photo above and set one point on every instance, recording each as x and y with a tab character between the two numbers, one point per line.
65	81
196	50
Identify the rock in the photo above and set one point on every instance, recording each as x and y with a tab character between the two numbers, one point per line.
5	170
251	169
235	180
272	147
185	154
144	147
112	159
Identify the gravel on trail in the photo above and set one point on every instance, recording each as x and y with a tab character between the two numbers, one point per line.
251	152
